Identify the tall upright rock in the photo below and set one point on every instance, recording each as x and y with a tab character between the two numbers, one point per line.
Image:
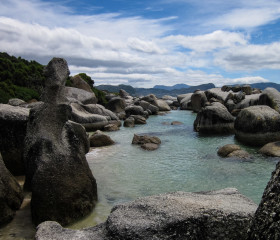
63	187
266	222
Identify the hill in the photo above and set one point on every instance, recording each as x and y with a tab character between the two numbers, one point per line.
177	86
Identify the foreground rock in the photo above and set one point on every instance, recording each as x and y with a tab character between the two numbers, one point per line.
146	142
13	123
63	188
216	215
257	125
271	149
11	194
100	139
266	222
214	119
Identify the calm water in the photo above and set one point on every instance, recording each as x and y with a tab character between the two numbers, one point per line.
185	161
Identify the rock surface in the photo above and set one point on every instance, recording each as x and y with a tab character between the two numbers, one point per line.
100	139
79	95
13	124
78	82
11	194
129	122
257	125
224	151
271	149
111	128
271	98
116	105
216	215
63	187
266	222
198	100
214	119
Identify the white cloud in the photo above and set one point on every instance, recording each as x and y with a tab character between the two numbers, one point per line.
249	80
144	46
250	57
209	42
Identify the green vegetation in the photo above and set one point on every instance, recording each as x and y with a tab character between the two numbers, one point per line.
20	78
24	79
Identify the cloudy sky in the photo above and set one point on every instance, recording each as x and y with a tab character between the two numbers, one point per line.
144	43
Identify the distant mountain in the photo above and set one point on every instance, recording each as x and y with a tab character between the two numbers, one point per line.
157	91
177	86
265	85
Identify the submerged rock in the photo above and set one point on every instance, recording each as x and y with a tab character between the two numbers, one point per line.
63	187
13	124
215	215
11	194
257	125
271	149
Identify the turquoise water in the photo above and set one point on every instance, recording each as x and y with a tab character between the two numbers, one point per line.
185	161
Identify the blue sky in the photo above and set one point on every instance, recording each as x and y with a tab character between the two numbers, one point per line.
145	43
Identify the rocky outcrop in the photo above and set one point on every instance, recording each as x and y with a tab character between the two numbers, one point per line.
79	95
216	215
100	139
13	123
198	100
116	105
214	119
63	187
78	82
271	98
266	222
11	194
271	149
257	125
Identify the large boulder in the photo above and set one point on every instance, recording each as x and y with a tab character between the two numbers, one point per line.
198	100
100	110
161	104
215	215
257	125
80	114
140	140
116	105
78	82
11	194
217	93
186	103
266	222
214	119
13	123
225	150
63	187
147	106
182	96
270	97
100	139
129	122
134	110
79	95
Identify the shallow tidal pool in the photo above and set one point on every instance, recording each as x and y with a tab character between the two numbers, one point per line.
185	161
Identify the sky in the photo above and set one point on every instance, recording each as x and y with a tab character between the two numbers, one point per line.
146	43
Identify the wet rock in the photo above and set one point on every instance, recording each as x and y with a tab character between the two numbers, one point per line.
111	128
176	123
100	139
271	149
239	154
266	223
11	194
257	125
214	119
129	122
198	100
13	124
271	98
227	149
116	105
63	187
139	119
140	140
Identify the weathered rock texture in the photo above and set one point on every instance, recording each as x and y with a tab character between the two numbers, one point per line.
11	194
63	188
214	119
257	125
216	215
13	123
266	222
